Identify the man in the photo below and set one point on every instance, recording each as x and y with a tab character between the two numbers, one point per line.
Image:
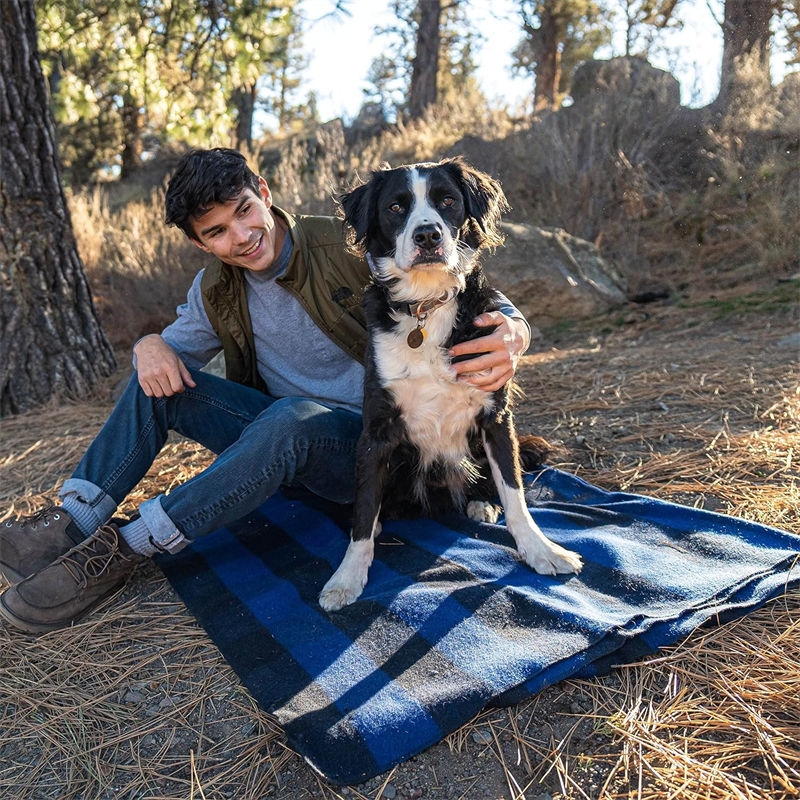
282	302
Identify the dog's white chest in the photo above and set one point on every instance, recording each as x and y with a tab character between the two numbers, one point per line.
439	412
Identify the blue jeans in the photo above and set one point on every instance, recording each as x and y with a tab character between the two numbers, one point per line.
262	443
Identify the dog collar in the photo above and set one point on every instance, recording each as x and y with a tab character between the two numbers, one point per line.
421	310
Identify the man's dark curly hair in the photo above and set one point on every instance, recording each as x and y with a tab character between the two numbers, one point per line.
202	178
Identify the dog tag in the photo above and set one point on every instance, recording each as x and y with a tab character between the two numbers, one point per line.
416	338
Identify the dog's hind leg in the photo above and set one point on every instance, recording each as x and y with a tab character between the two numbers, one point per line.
538	552
347	583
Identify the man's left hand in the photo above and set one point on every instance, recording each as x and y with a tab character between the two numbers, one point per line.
501	350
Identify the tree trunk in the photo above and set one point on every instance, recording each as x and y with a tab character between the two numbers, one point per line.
244	101
744	77
423	91
548	62
51	342
132	133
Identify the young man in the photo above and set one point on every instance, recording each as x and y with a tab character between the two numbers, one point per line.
283	303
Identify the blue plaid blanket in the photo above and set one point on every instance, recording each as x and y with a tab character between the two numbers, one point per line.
449	623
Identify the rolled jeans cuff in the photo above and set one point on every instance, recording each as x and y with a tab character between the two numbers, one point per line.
88	503
164	535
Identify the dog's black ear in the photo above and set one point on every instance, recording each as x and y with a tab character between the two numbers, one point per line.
484	202
358	208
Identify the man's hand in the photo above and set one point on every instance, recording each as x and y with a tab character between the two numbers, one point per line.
501	350
161	373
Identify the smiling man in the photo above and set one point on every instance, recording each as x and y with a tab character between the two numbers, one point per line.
282	302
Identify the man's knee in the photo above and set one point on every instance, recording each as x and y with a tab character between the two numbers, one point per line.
304	420
292	415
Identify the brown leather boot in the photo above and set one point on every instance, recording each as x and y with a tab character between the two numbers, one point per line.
28	544
71	586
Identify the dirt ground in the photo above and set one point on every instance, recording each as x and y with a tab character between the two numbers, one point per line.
691	401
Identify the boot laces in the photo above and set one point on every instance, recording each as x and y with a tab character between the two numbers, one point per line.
43	516
90	559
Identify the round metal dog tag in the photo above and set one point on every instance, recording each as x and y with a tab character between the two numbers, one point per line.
415	338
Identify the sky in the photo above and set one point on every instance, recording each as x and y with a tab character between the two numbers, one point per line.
341	49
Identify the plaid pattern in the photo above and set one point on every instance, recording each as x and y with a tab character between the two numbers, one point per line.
448	622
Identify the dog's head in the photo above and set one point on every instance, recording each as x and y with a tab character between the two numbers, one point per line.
422	224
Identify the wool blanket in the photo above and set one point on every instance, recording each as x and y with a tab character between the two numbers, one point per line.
449	622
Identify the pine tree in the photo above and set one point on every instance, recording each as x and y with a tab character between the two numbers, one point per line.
51	341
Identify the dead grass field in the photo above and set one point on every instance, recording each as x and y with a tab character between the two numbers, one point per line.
697	403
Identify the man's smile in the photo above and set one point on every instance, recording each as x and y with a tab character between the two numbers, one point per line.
253	248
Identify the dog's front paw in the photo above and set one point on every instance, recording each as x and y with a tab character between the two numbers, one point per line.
336	594
347	583
551	559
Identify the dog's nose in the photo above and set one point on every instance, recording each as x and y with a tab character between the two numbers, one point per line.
428	237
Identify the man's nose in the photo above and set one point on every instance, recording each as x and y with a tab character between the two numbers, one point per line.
240	233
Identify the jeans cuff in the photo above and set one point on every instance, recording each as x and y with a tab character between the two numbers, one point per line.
164	535
88	504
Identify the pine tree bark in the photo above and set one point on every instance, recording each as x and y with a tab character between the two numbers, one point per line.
131	117
746	36
548	61
51	343
423	91
244	101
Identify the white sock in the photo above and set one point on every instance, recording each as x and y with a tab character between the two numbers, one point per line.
137	535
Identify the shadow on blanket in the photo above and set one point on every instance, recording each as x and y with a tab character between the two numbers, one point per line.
448	623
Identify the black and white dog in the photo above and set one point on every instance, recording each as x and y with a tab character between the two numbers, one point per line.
425	434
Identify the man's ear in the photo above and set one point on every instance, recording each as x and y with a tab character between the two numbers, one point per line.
266	194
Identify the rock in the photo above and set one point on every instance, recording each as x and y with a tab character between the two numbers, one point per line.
552	276
133	696
634	79
482	736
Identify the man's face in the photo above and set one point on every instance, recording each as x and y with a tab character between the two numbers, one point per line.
241	232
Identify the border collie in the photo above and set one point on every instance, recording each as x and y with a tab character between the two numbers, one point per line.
427	437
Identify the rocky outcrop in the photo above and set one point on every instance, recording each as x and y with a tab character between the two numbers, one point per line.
552	276
633	80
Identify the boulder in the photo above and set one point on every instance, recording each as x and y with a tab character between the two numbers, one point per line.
632	79
552	276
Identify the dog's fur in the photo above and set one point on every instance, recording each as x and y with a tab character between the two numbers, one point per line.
425	434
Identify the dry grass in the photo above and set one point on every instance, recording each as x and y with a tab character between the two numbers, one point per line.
136	702
715	717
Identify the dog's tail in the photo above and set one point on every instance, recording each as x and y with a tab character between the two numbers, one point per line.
533	452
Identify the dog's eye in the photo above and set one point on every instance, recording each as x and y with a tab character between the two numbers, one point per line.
448	201
396	208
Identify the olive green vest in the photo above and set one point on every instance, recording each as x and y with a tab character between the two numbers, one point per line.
328	281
